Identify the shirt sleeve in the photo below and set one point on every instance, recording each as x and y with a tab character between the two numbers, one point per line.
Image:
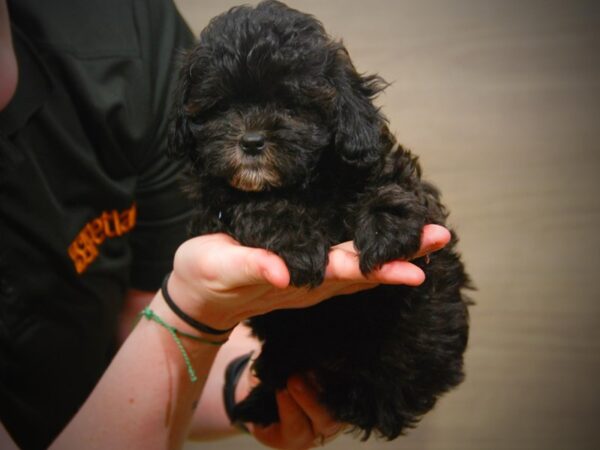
163	211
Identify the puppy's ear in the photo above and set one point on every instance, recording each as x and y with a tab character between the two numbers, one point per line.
180	139
358	123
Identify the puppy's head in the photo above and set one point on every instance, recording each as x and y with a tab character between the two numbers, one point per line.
264	93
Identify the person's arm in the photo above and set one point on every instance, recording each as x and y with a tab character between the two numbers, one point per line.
210	421
134	302
145	399
9	73
6	442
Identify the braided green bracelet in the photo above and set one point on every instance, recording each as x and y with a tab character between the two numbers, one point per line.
150	315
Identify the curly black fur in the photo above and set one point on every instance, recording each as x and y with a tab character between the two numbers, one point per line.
287	152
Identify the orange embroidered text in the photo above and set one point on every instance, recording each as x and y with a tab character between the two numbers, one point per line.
84	249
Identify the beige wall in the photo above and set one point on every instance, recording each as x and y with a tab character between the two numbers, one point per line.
502	101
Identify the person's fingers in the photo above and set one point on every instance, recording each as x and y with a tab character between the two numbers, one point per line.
296	428
399	272
343	266
270	435
263	266
306	397
343	261
347	246
294	431
434	238
232	265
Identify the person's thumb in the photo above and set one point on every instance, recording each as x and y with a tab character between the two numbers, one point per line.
256	266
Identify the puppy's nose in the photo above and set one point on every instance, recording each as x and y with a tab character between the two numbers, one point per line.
253	142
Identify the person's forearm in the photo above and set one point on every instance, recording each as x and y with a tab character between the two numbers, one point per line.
145	399
133	302
210	420
10	72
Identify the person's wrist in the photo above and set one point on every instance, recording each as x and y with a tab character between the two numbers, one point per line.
189	300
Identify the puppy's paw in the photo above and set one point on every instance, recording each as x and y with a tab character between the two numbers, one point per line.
388	227
260	407
307	264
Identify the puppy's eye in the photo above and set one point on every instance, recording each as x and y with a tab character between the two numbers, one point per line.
217	108
204	112
192	109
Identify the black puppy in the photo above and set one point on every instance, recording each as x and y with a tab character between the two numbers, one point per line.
287	152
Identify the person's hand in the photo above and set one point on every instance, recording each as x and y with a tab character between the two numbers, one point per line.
303	424
222	282
303	421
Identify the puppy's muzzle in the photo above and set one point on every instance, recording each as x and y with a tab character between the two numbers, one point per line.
253	164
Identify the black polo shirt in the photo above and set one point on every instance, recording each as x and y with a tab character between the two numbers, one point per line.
89	203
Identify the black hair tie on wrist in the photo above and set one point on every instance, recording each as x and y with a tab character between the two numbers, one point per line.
232	377
183	316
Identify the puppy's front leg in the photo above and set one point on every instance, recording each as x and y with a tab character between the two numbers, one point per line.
388	225
304	248
295	233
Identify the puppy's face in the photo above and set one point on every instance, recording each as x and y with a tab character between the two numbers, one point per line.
264	93
259	138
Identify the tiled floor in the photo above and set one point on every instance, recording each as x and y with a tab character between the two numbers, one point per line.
502	101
